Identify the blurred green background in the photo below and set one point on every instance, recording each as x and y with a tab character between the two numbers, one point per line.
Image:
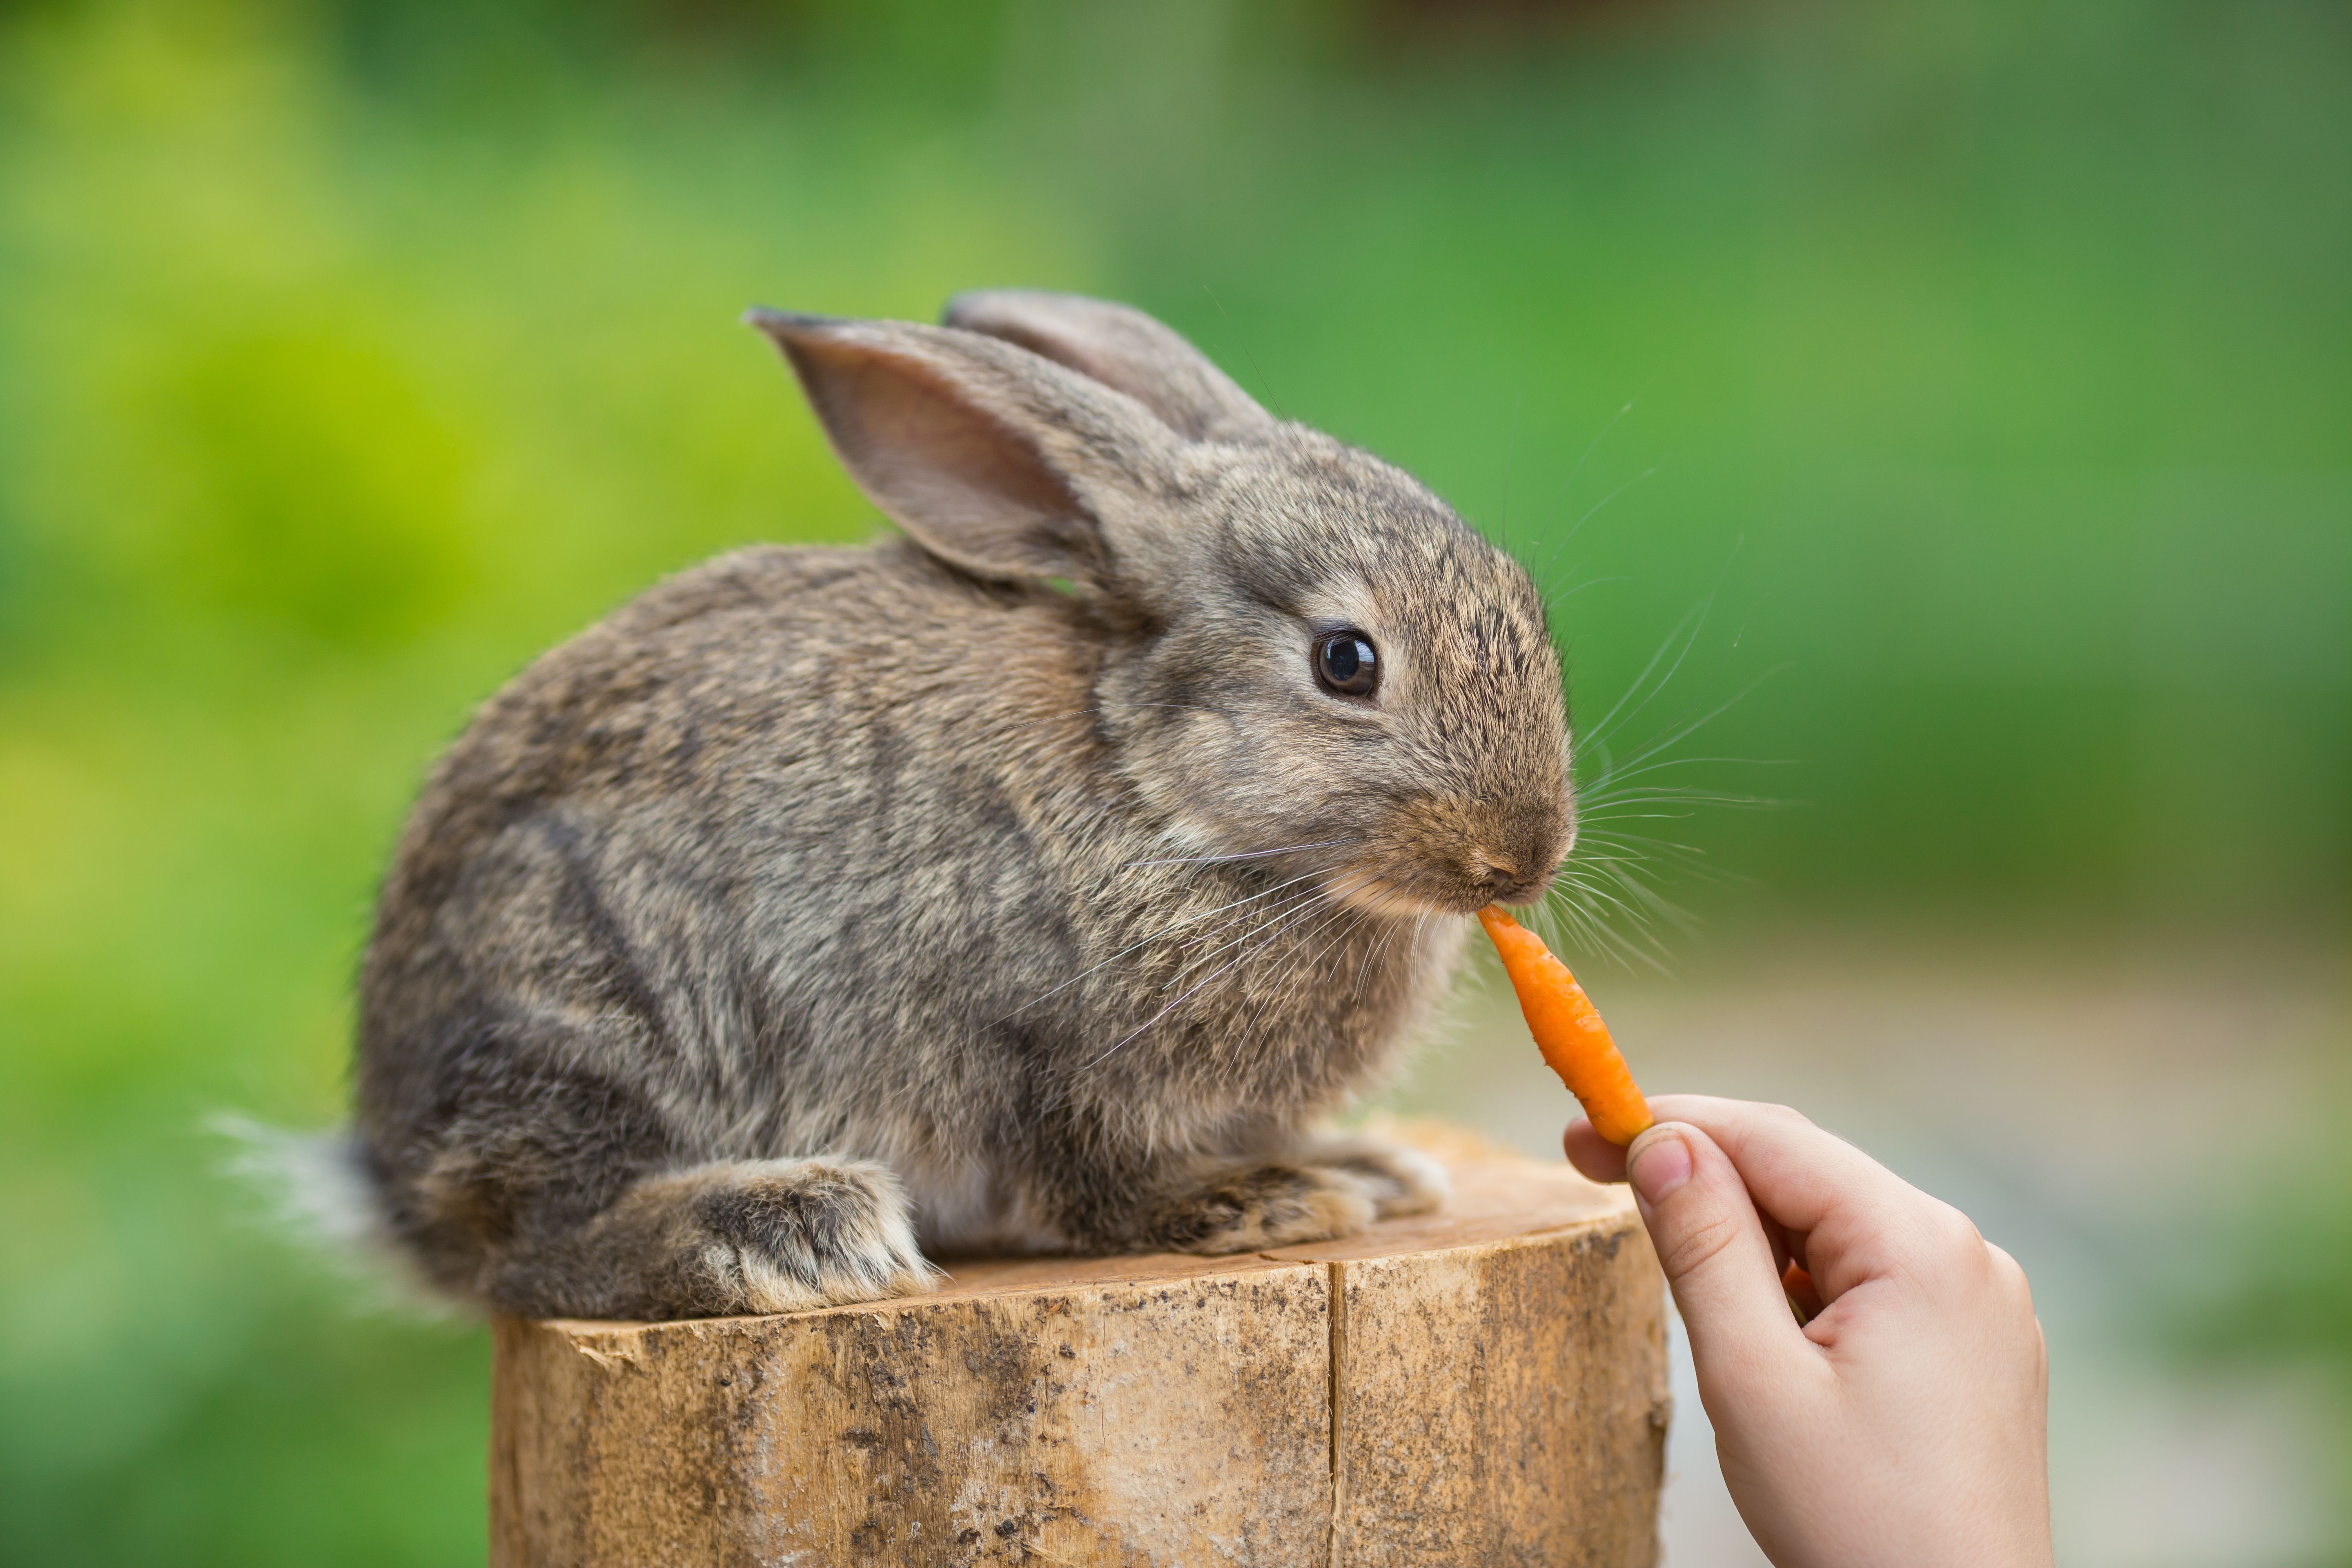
1964	387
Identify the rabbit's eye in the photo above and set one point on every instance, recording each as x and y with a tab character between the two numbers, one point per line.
1346	663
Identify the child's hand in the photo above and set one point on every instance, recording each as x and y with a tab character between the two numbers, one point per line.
1904	1421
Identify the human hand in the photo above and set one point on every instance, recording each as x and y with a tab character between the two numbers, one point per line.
1905	1421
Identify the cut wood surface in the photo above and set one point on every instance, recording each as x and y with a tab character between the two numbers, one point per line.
1484	1385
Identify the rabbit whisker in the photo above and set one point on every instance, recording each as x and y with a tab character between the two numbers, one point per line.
1554	600
1156	936
1686	631
1247	853
1628	839
1268	931
1654	903
1585	456
1625	770
1584	904
1314	927
1656	746
1681	797
1328	918
1604	500
1168	1009
1291	907
1380	948
1686	857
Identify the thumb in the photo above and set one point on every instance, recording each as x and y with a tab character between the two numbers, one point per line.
1712	1246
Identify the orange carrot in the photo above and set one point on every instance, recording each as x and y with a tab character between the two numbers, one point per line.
1568	1031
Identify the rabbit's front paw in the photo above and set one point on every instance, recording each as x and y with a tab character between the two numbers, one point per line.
1246	1208
790	1235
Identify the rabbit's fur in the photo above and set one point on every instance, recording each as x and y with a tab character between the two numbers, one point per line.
1011	884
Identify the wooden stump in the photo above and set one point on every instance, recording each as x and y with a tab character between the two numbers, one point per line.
1486	1384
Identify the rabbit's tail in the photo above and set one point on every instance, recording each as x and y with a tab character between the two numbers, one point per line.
317	1190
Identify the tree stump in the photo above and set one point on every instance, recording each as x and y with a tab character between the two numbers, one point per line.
1484	1385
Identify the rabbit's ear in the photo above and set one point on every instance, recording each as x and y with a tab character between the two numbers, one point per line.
990	457
1122	348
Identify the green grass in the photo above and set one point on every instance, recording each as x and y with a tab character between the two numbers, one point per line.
1988	369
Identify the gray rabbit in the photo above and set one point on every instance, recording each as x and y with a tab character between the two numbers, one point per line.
1038	880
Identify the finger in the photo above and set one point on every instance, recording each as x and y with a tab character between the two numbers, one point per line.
1712	1246
1858	1219
1595	1156
1799	1173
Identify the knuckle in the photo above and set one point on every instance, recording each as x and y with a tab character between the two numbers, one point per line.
1935	1245
2008	1278
1950	1235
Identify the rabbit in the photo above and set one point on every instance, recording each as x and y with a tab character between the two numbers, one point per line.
1042	879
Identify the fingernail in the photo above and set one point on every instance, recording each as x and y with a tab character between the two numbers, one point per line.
1660	1162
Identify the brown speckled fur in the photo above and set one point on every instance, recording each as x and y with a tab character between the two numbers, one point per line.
822	904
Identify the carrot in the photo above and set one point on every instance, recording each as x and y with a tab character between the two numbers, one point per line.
1575	1043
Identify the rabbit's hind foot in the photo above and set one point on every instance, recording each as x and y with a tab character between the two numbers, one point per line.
1401	1181
1246	1207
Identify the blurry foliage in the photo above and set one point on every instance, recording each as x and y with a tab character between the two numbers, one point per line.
2273	1289
2283	1291
1988	378
326	488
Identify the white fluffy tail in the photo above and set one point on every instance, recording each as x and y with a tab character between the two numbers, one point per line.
317	1191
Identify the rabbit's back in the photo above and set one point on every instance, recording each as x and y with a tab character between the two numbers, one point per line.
688	867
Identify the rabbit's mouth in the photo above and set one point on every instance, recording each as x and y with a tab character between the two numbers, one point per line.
1381	893
1427	863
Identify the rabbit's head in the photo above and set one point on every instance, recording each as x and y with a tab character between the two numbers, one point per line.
1304	652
